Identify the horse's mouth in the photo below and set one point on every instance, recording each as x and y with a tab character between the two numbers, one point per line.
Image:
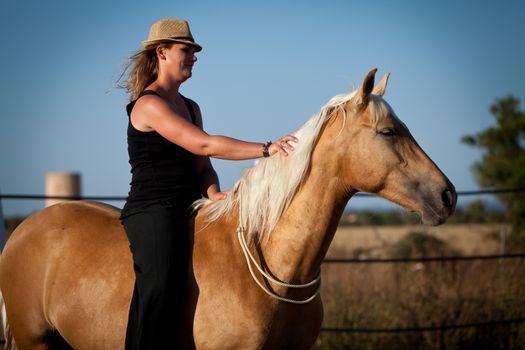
432	220
435	216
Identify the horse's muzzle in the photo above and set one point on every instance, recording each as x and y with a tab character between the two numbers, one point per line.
439	206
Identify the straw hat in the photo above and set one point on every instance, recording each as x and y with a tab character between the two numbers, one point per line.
170	29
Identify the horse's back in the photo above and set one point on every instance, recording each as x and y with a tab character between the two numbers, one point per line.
59	264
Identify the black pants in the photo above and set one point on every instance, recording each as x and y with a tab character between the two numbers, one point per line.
159	242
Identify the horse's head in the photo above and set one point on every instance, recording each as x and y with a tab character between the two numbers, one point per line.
385	159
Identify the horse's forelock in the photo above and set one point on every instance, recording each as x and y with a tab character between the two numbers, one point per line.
380	109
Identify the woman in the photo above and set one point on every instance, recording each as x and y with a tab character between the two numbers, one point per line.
169	157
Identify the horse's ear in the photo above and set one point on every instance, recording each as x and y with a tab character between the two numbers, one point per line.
363	95
380	88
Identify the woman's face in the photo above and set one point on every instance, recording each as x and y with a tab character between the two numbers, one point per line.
177	60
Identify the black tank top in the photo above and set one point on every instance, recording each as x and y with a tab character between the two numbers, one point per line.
162	172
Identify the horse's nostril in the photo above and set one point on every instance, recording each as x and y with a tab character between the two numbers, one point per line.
448	198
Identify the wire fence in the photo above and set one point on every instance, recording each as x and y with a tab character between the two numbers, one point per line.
122	198
431	328
422	329
424	259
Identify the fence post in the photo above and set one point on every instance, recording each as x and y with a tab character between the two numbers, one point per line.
2	226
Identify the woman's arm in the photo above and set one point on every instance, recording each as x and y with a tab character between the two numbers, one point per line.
155	113
205	171
209	179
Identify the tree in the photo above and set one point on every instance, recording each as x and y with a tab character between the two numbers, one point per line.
503	162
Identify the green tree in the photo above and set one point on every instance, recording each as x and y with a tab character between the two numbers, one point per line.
503	162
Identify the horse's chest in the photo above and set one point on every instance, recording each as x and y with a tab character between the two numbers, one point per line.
223	323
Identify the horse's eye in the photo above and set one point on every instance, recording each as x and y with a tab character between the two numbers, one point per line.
388	132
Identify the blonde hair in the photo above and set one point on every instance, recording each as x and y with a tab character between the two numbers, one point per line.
143	70
260	195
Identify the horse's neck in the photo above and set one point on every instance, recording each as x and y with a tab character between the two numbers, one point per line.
301	239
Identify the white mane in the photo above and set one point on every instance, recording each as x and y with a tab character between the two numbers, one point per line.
264	191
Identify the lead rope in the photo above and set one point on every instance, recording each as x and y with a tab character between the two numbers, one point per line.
250	259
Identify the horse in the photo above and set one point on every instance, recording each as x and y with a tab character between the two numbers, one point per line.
66	273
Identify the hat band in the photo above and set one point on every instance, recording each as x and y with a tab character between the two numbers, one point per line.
182	38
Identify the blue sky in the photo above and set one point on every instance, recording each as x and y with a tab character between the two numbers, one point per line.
266	67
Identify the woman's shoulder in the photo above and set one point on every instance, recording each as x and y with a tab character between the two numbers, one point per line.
146	109
144	98
150	99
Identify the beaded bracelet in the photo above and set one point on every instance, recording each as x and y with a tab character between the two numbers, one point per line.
266	146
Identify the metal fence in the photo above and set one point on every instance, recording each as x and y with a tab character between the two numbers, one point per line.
122	198
423	260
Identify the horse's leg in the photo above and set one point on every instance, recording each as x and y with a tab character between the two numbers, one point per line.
25	325
25	331
23	284
24	316
26	338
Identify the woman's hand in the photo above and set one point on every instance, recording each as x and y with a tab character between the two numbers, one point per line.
283	145
217	196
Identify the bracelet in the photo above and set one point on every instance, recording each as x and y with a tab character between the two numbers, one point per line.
266	145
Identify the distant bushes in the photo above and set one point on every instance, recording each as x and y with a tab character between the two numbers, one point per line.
420	244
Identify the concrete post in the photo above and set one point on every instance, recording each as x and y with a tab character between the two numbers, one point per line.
62	184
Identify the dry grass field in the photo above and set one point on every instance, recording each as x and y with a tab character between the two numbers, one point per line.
373	299
373	241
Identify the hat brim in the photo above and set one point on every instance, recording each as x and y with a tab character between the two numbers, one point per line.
148	43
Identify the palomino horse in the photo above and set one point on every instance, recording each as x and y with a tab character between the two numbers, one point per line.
66	273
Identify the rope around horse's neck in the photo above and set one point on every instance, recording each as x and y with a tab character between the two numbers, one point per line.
250	259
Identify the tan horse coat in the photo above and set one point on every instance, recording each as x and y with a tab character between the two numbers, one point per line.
66	273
